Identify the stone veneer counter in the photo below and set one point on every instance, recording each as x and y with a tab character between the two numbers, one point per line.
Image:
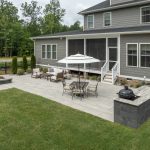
133	113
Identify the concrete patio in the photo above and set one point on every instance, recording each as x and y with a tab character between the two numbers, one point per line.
102	106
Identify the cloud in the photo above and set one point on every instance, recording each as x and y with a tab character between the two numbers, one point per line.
72	7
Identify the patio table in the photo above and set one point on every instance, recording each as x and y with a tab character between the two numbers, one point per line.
79	88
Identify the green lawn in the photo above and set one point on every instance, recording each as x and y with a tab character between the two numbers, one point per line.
30	122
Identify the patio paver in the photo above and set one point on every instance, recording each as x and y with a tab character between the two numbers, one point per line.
102	106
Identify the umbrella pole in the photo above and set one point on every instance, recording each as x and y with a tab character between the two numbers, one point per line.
79	74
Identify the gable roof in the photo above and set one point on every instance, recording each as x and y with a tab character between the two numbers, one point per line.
124	30
105	6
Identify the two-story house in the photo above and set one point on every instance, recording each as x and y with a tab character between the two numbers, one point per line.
115	31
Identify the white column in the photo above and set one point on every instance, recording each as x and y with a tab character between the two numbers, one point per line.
107	50
119	60
67	50
85	51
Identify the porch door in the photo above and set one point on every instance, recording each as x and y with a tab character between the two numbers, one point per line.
112	57
113	52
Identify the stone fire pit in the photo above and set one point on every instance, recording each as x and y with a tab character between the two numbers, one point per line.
4	80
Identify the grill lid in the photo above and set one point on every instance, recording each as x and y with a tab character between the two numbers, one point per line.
127	93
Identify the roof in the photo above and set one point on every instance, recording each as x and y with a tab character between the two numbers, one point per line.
98	31
105	6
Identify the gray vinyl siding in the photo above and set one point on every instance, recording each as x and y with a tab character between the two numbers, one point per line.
133	71
113	2
120	18
61	50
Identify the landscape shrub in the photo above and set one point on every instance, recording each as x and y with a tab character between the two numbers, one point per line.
123	81
41	69
45	70
29	70
136	84
33	62
20	72
25	63
14	65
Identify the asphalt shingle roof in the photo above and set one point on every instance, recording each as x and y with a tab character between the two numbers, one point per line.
106	5
102	31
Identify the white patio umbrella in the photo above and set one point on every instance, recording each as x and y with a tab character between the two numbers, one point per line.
78	59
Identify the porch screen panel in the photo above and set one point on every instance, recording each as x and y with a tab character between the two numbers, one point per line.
75	46
96	48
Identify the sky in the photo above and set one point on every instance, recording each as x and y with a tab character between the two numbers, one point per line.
72	7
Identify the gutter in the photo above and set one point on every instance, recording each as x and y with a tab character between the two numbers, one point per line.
79	35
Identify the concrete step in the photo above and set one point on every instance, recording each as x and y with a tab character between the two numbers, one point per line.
108	77
107	80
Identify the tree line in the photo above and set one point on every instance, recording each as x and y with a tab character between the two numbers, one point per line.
15	31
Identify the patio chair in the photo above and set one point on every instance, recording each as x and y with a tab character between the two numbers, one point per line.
66	87
92	89
67	74
57	77
36	73
80	91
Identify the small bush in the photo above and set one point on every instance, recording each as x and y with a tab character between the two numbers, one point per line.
123	81
136	84
25	63
45	70
33	62
29	70
20	72
14	65
41	69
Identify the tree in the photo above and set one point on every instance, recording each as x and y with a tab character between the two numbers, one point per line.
14	65
8	18
75	26
33	62
53	14
32	14
25	63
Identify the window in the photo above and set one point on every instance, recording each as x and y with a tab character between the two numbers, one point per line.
49	51
53	51
43	51
90	21
145	55
132	55
107	19
145	14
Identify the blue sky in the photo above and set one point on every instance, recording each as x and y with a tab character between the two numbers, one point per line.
72	7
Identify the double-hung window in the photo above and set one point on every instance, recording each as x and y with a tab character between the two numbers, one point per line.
54	53
132	55
145	14
145	55
49	51
107	19
44	51
90	21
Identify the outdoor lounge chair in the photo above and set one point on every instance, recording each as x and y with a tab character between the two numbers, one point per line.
57	77
67	74
36	73
92	89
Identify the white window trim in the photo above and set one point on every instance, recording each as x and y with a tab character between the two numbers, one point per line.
88	22
140	55
46	52
104	19
141	15
127	55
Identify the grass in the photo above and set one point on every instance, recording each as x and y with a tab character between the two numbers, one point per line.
30	122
